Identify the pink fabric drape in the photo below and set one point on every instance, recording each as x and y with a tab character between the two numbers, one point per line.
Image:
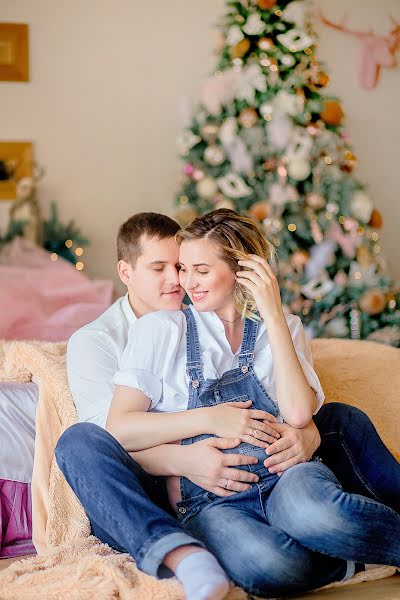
45	300
15	519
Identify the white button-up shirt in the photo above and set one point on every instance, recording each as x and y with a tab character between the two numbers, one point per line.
154	360
93	354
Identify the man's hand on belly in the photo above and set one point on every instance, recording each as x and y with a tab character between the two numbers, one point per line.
294	446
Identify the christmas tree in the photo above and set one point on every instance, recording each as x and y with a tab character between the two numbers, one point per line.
268	141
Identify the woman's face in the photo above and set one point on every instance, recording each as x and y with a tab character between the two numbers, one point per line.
207	279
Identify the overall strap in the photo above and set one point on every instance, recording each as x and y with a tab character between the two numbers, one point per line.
193	357
246	355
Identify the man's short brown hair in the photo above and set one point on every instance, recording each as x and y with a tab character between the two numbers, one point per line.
146	223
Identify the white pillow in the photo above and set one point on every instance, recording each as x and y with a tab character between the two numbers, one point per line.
17	430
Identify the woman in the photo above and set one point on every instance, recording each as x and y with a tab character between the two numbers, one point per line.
248	368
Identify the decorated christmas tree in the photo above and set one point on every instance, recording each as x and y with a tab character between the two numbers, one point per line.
267	140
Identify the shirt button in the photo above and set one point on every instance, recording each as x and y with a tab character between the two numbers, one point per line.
195	383
244	369
182	510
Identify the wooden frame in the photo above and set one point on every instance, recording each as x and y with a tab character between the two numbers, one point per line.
19	155
14	52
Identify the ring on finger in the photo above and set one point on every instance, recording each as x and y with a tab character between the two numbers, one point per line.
253	433
226	484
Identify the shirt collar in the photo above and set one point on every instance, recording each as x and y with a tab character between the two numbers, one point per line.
127	310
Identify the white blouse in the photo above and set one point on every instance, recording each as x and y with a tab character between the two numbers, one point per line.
154	359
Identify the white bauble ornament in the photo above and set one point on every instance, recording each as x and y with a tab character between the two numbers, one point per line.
207	187
254	25
295	39
361	206
234	186
287	60
214	155
266	108
299	168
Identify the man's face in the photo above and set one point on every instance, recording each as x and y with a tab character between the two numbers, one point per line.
153	283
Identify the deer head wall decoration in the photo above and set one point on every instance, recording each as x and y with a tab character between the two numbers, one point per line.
376	51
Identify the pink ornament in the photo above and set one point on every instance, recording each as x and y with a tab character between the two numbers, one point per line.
188	169
197	174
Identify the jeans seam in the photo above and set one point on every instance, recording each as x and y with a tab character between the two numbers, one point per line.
354	465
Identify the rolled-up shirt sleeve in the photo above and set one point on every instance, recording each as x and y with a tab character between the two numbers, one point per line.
139	366
302	346
141	380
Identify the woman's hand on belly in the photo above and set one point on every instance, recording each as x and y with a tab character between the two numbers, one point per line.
238	420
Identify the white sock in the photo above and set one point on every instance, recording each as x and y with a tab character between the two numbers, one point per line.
202	577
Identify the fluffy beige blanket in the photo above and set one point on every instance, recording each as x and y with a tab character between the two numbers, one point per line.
73	564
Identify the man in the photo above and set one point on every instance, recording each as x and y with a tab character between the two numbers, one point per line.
124	494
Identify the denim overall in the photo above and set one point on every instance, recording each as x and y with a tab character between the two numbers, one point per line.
236	385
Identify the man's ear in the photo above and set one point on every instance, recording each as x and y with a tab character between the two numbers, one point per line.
124	271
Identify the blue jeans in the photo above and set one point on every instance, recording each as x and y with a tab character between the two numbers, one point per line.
307	506
129	509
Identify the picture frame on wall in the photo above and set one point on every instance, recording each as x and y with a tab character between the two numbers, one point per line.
16	161
14	52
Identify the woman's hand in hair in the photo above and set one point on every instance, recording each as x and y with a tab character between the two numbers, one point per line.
238	420
258	277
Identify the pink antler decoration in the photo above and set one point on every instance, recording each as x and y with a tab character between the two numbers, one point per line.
376	51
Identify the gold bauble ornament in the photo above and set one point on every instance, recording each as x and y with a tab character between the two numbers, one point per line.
259	210
209	132
376	220
322	79
332	113
225	203
364	256
316	201
185	215
240	49
266	4
248	117
372	302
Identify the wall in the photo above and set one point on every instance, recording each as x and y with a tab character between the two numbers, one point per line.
103	106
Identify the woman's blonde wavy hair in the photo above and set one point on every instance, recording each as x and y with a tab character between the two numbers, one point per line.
236	237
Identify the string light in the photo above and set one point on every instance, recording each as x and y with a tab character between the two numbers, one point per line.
292	227
54	256
68	243
374	236
357	275
183	199
79	251
328	160
79	266
278	13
